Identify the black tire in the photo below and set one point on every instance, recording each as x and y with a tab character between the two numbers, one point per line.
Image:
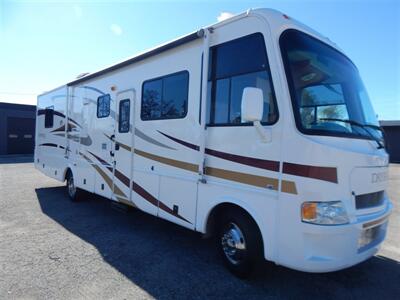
238	229
74	193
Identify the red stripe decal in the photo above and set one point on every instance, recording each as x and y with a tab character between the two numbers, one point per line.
146	195
139	190
100	159
125	180
321	173
250	161
189	145
244	160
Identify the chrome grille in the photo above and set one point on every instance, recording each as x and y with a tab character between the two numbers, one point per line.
369	200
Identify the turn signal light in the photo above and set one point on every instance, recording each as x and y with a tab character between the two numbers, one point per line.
309	211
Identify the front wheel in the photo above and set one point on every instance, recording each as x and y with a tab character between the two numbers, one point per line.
239	243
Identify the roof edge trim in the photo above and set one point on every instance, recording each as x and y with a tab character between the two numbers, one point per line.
165	47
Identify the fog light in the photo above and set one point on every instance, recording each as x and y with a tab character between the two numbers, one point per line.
368	236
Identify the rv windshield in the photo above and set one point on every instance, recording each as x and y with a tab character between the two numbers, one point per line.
327	93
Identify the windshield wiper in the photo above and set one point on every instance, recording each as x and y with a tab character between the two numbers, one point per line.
355	123
374	127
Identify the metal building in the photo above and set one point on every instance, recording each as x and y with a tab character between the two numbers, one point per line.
17	128
392	135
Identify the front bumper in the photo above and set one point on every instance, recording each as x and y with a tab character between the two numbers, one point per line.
330	248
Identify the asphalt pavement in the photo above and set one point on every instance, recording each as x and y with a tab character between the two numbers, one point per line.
51	248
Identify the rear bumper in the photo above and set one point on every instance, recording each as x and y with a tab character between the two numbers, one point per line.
331	248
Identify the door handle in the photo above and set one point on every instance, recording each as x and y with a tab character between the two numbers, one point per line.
116	146
111	154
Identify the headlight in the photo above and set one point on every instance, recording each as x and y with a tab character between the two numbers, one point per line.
324	213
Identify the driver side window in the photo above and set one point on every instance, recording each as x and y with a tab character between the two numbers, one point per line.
235	65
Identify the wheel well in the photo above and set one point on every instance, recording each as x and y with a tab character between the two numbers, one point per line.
215	216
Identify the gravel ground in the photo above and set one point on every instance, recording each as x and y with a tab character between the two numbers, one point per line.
51	248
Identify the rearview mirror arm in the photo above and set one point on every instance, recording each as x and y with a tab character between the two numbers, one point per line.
265	134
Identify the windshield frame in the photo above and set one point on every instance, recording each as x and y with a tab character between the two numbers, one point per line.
291	86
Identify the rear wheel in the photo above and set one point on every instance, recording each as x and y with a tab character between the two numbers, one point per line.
74	193
239	243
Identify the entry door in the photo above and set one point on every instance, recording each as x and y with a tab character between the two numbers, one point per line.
123	146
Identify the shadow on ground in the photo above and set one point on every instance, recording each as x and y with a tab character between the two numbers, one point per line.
169	261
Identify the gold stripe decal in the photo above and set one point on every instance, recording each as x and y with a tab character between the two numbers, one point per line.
106	178
250	179
168	161
289	187
255	180
259	181
125	201
126	147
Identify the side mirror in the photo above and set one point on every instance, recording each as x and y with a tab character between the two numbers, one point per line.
253	109
252	104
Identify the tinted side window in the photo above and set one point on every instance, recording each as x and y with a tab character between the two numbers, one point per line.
151	100
165	97
220	109
124	115
49	118
175	94
244	55
103	106
234	66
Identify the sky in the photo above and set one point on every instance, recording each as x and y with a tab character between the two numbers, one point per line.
46	43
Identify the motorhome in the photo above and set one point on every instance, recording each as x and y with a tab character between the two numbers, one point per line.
256	130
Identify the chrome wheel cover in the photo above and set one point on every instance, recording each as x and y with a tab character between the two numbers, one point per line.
233	243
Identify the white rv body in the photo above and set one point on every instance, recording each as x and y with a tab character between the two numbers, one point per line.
156	167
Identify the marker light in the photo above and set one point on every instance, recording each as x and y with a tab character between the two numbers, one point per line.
324	213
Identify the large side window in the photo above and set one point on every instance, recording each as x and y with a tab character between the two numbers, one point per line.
103	106
235	65
165	97
49	117
124	112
